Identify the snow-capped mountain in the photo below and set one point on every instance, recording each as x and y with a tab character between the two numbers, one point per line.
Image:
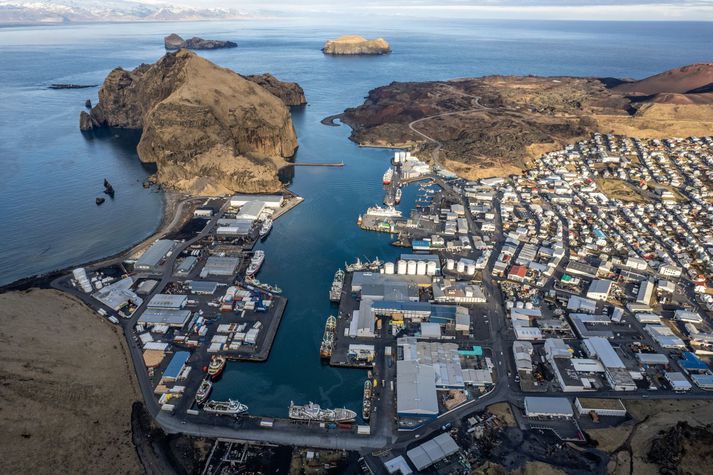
65	11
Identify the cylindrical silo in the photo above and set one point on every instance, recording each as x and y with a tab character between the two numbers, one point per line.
389	268
431	268
401	267
528	305
470	269
411	268
460	267
421	268
450	264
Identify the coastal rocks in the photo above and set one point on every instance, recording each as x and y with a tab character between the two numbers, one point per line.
356	45
88	104
207	129
290	92
174	42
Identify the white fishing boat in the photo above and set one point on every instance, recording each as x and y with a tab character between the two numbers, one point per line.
265	228
225	408
385	212
255	262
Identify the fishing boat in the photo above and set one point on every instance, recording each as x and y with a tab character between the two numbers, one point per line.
366	403
388	176
265	228
386	212
203	391
335	293
99	200
226	408
397	198
327	346
216	366
358	265
273	289
255	262
313	412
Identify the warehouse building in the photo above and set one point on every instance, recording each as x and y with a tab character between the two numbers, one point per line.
152	258
599	289
269	201
118	294
185	265
251	210
163	316
616	373
173	301
522	350
600	407
234	227
432	451
415	390
220	265
646	291
556	407
175	366
678	381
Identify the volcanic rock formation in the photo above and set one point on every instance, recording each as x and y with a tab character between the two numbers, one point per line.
290	92
208	129
174	42
356	45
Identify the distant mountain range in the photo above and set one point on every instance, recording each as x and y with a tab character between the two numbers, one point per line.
78	11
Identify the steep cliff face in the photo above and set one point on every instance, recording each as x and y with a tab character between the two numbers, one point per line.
208	129
290	92
356	45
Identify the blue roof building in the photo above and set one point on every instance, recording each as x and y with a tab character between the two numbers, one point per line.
175	366
692	363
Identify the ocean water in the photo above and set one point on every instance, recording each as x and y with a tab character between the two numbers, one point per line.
50	173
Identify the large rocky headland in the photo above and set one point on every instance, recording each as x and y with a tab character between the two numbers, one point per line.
208	130
494	125
356	45
175	42
291	93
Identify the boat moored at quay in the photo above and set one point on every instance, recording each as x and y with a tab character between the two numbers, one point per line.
313	412
225	408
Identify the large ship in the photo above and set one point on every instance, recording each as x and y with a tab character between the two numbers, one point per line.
216	366
203	391
313	412
387	212
327	346
255	262
335	293
366	403
227	408
388	176
265	228
358	265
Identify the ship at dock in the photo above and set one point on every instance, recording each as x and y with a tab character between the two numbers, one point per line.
358	265
397	197
255	262
386	212
226	408
203	391
313	412
327	346
335	293
366	403
216	366
265	228
388	176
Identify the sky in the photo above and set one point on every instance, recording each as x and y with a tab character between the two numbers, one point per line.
701	10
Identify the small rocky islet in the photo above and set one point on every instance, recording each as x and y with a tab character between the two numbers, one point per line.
356	45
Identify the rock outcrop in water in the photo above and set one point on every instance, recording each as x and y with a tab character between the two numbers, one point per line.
174	42
356	45
208	129
291	93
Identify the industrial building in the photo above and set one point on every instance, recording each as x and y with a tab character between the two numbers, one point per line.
269	201
599	289
251	210
416	394
600	407
163	316
118	294
151	259
170	301
220	265
557	407
432	451
175	366
646	291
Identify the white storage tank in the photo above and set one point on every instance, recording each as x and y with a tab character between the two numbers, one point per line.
389	268
411	268
401	267
421	268
460	267
470	269
450	264
431	268
519	304
509	305
528	305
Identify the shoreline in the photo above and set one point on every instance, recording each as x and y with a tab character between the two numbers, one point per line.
173	201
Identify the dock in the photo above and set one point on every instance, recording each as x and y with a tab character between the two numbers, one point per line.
313	164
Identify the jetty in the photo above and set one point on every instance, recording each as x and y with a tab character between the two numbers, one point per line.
312	164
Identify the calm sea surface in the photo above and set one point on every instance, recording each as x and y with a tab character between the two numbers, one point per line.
50	173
